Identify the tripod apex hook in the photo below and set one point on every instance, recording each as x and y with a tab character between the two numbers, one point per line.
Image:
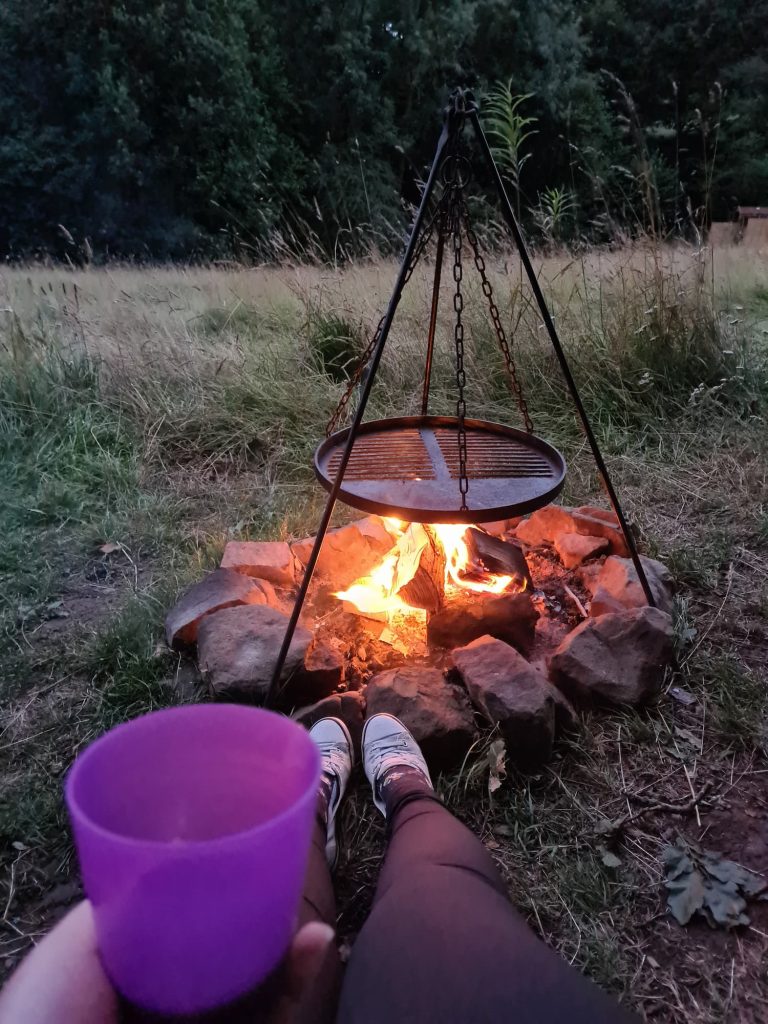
460	103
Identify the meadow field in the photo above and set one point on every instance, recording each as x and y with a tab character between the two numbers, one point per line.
148	415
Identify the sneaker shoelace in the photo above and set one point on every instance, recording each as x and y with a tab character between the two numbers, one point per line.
394	751
335	757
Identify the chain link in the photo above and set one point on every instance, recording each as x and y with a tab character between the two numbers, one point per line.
501	336
357	374
458	334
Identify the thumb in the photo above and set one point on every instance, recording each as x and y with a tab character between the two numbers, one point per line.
311	976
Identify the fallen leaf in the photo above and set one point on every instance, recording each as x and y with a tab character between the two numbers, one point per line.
702	881
497	764
685	895
681	695
689	737
110	548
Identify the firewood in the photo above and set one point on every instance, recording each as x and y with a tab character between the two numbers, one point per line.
420	571
497	556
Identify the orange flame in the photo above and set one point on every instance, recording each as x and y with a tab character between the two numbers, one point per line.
375	594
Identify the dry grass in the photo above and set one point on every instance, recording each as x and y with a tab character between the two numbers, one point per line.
173	408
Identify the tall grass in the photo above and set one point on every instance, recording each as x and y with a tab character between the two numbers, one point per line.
170	410
211	367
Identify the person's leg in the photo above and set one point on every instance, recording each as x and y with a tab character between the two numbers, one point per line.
442	942
318	901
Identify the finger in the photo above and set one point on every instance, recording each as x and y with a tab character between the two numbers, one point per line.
311	979
62	979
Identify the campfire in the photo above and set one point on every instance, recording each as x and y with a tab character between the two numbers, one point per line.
489	644
429	564
431	621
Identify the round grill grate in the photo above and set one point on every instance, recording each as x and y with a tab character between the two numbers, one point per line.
408	467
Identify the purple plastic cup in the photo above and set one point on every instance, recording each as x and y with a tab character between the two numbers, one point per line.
192	828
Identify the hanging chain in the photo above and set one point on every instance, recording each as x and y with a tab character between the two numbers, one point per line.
458	334
501	336
365	359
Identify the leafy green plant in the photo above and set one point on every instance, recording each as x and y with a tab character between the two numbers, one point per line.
509	129
555	208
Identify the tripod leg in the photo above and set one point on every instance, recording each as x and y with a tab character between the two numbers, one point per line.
514	227
358	418
432	323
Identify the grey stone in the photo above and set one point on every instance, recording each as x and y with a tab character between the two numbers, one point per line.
267	560
220	589
604	603
238	649
509	617
349	707
514	695
618	658
321	673
575	548
588	574
348	553
544	525
618	579
596	522
436	711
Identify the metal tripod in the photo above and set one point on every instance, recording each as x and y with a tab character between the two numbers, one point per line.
461	109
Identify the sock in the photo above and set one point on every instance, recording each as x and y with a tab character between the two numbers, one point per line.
325	794
401	785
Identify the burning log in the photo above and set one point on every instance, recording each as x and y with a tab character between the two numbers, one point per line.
498	556
420	569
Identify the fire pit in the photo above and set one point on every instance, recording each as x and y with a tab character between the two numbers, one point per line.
430	611
426	620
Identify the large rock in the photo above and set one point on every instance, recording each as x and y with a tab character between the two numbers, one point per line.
597	522
509	617
348	553
619	585
619	658
604	603
544	525
220	589
238	649
267	560
349	707
321	673
574	548
513	694
437	712
588	574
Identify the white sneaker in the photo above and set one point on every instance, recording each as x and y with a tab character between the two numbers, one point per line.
387	745
332	739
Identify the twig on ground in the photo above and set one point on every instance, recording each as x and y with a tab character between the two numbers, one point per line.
576	601
616	827
693	794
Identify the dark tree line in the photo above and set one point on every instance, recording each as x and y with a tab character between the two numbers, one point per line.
190	128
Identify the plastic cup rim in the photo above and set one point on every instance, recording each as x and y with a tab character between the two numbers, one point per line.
75	808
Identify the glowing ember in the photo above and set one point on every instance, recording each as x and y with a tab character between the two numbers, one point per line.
379	592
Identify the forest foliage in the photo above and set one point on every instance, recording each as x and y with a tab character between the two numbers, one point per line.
196	128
